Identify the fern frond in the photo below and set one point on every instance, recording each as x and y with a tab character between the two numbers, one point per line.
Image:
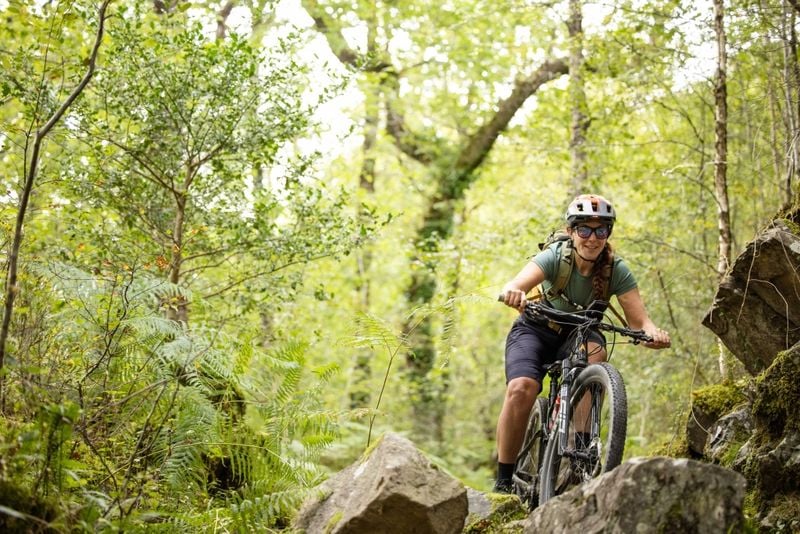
216	364
372	332
252	514
154	326
326	373
181	445
449	333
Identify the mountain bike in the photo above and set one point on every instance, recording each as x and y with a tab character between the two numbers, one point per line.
578	431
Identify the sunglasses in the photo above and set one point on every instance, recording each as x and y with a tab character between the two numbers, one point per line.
585	232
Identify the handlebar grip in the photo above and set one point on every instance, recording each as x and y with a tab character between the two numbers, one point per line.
501	298
641	336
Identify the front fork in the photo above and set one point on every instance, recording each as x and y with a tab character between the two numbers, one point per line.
566	382
568	372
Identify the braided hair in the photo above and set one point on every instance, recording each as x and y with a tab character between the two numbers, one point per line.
601	273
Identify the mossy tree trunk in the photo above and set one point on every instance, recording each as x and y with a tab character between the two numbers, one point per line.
453	167
362	365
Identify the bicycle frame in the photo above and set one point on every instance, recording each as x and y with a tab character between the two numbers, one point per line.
555	422
562	375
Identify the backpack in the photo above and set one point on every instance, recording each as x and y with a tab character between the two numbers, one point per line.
566	262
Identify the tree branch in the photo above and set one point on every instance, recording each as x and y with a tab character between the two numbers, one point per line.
332	30
13	256
479	145
406	141
161	7
222	19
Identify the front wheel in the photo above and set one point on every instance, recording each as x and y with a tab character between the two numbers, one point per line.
529	460
598	421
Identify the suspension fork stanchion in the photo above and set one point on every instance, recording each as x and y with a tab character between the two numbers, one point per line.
553	403
563	414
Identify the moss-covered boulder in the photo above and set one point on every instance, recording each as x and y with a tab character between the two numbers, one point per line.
777	396
24	511
772	460
494	513
709	404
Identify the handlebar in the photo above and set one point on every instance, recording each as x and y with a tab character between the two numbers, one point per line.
589	317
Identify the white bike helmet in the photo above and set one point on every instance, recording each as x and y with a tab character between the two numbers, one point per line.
590	208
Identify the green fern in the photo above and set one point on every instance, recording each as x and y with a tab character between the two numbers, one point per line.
175	416
182	443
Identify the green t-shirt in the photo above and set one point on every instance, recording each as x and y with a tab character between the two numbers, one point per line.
579	287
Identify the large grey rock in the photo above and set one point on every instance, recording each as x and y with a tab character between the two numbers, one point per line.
728	434
756	311
647	495
697	430
777	467
393	490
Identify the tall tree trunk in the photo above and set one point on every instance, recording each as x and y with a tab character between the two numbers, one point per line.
453	180
362	368
774	121
32	169
222	19
453	169
427	393
792	106
577	97
177	308
721	157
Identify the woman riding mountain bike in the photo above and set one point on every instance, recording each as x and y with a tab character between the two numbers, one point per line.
531	346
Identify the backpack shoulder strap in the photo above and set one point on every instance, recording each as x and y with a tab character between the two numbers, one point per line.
566	262
608	272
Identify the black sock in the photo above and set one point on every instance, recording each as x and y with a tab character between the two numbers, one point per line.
504	471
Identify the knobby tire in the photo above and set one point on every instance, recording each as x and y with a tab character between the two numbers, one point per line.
529	460
607	420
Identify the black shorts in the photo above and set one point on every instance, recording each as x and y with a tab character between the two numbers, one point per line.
531	348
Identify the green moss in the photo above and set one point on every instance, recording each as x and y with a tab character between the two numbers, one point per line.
504	503
793	226
750	505
784	514
372	447
778	395
718	399
677	447
36	514
323	494
333	521
732	450
504	509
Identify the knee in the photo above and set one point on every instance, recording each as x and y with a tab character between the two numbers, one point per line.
597	353
522	391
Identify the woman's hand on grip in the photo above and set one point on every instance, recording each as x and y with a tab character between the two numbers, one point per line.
660	337
514	298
